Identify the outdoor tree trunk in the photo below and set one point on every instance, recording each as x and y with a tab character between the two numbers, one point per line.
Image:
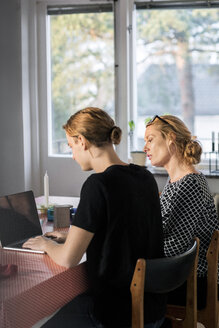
186	84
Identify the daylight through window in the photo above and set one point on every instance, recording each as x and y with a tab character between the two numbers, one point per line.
82	64
178	69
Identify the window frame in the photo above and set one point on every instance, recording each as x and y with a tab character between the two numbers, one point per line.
73	10
176	4
122	88
125	72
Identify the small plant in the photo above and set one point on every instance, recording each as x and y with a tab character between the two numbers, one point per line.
131	132
131	126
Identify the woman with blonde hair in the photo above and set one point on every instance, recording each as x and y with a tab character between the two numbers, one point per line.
187	206
117	221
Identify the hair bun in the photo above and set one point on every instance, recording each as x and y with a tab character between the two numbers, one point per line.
115	135
193	151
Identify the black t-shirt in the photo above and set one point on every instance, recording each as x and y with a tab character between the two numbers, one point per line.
121	207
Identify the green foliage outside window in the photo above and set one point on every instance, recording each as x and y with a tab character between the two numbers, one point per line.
82	66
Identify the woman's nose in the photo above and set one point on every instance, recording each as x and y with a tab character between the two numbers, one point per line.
145	148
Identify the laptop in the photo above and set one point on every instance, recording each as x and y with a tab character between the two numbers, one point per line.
19	221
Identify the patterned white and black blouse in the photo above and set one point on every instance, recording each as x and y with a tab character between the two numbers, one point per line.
188	210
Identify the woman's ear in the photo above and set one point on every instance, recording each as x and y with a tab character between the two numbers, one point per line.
171	138
84	142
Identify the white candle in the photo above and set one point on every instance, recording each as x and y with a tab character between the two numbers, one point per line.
46	190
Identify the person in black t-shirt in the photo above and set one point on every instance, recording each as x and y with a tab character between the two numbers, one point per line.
118	220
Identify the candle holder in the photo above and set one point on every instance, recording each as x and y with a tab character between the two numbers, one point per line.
213	156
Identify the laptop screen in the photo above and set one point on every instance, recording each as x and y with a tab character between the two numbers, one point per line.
18	218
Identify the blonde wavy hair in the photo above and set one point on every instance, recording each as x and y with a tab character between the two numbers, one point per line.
187	146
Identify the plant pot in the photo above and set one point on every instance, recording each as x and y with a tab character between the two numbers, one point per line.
138	157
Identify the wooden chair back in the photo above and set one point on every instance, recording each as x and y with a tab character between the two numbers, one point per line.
164	275
210	314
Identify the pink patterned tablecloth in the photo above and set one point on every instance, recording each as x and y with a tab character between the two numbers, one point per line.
38	289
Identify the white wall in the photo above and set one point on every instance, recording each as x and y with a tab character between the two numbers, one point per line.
11	128
20	162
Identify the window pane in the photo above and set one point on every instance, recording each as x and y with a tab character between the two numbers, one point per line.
82	68
178	69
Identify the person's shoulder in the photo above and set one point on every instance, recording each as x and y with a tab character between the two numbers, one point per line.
93	184
202	182
187	183
194	183
194	179
119	171
140	169
141	172
190	178
91	180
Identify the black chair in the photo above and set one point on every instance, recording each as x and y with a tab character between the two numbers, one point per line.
162	276
208	316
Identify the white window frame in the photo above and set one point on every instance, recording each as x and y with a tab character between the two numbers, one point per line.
122	88
204	164
36	71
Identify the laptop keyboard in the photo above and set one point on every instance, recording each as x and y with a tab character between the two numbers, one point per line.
19	245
